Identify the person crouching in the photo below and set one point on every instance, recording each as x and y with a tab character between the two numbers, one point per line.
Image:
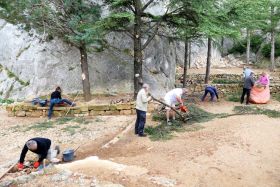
40	146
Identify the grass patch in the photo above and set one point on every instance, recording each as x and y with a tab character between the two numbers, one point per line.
256	111
234	97
225	81
195	115
276	97
7	101
83	121
63	120
42	126
165	132
59	121
198	115
71	129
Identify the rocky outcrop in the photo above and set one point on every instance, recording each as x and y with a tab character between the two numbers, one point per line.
199	52
31	67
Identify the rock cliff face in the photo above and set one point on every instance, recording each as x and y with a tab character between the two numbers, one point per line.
30	67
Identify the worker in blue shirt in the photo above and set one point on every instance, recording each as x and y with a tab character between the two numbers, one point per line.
213	92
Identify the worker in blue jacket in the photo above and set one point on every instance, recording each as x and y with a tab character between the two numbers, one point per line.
213	92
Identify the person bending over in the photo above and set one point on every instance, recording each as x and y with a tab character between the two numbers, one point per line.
172	98
213	92
40	146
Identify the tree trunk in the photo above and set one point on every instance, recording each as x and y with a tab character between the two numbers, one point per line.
208	65
190	54
222	46
138	57
186	63
248	46
85	73
272	55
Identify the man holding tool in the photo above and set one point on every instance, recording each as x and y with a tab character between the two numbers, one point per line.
141	109
172	98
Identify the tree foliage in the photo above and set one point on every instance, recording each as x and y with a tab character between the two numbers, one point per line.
74	21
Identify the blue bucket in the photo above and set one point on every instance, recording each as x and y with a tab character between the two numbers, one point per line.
68	155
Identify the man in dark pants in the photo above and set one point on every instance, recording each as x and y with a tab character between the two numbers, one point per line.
56	99
40	146
213	92
248	84
141	109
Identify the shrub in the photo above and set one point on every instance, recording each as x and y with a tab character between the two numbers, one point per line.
256	42
240	46
266	50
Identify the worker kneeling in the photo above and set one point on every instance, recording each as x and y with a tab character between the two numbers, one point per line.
172	98
40	146
213	92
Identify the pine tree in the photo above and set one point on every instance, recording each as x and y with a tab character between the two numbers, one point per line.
71	20
132	18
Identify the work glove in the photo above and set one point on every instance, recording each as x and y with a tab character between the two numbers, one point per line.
36	164
184	109
20	166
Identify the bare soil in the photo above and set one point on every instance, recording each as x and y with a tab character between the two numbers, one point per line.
235	151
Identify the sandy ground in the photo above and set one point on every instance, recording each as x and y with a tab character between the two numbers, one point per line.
236	151
15	132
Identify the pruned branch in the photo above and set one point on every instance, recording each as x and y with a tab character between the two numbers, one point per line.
148	40
147	5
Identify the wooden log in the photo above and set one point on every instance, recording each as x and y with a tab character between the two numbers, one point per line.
7	171
172	108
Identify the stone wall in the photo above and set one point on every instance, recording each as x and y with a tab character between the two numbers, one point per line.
199	78
28	110
225	89
235	83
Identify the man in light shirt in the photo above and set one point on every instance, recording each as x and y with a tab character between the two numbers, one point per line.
141	109
172	98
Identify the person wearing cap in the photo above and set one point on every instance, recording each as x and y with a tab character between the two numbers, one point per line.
172	98
141	109
213	92
40	146
248	85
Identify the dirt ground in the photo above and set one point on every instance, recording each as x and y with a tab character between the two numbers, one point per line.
239	151
235	151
